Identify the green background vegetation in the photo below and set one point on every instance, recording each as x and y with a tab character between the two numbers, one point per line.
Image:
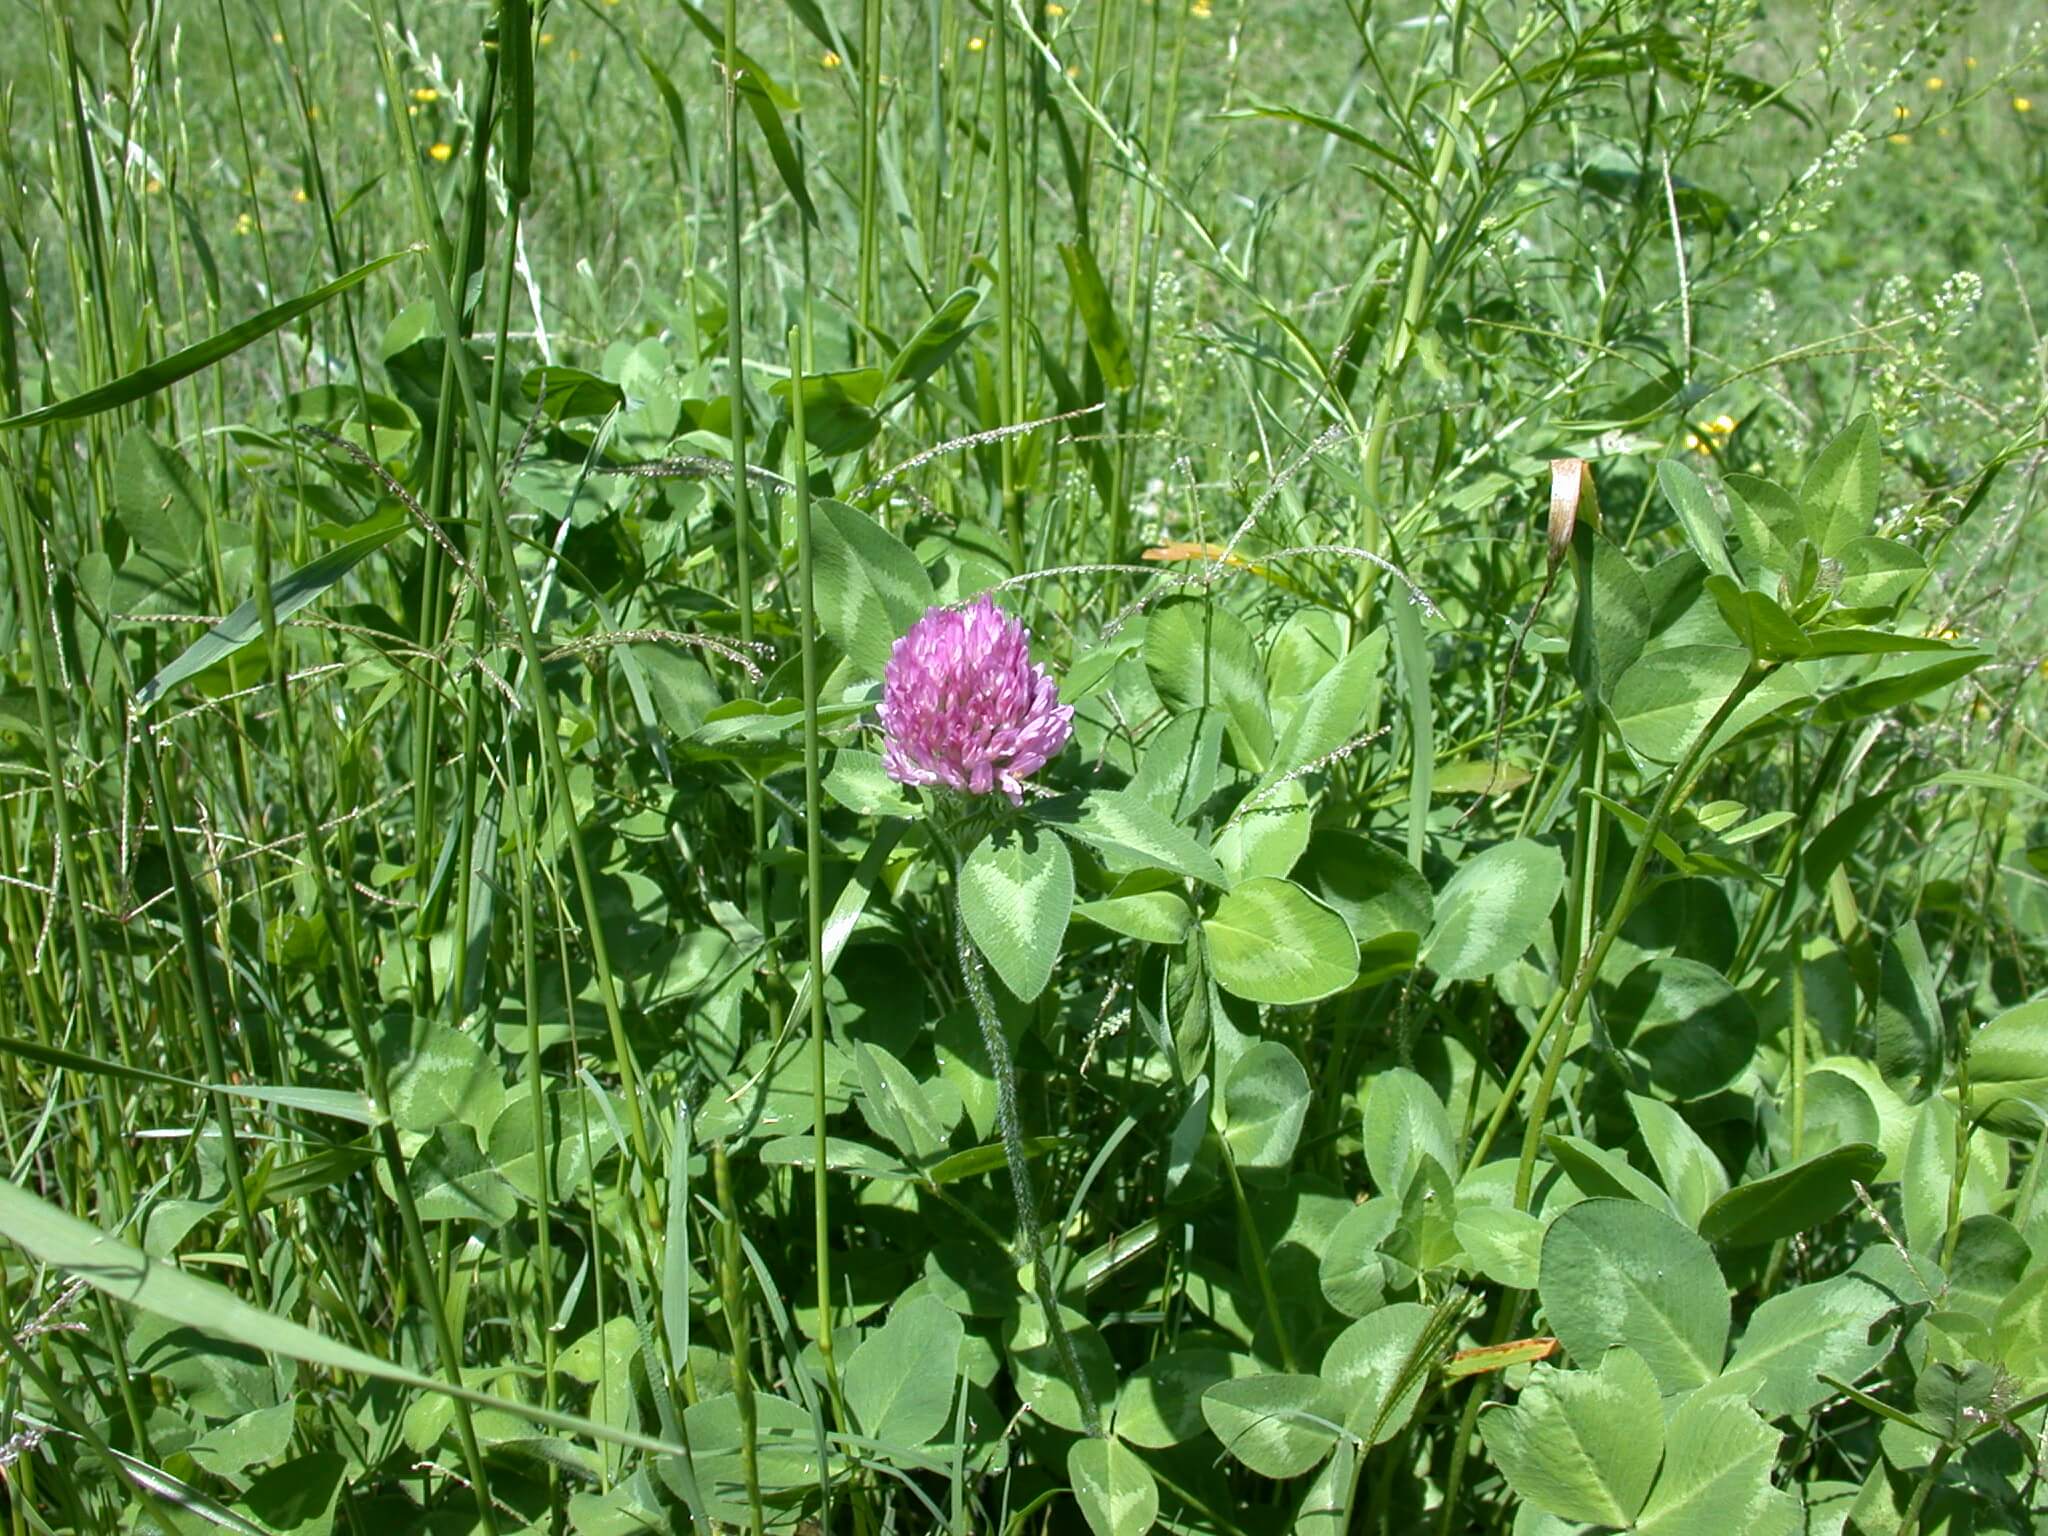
1525	984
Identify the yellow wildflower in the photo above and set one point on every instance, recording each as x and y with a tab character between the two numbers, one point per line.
1199	10
1898	138
299	195
442	152
831	60
975	45
2022	104
245	224
1055	10
1935	82
426	93
547	39
1902	111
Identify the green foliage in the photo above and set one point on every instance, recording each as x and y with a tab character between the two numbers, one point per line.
1511	1033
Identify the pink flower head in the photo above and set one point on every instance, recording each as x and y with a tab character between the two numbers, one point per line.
964	705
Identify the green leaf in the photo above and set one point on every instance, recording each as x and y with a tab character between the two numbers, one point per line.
297	1498
1106	338
896	1104
753	90
1501	1243
1597	1171
162	509
1114	1488
1767	631
1178	762
1199	653
1877	573
1127	828
1620	1272
976	1161
1907	1017
1880	642
870	587
1016	894
1160	1403
1272	942
1665	700
1768	518
1897	682
1278	1425
901	1382
1840	492
1492	909
579	1136
1405	1123
839	408
1609	632
1797	1335
1582	1445
1040	1378
1265	1101
1352	1276
1718	1457
933	342
2009	1070
1691	1174
1694	1032
1687	496
1267	839
228	1449
1372	144
571	392
1375	890
448	1077
287	596
166	371
1377	1368
2021	1328
858	781
1151	917
451	1180
1334	712
1792	1200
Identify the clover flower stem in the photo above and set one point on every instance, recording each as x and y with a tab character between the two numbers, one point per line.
1020	1170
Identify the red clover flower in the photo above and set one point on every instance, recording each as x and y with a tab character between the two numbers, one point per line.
964	706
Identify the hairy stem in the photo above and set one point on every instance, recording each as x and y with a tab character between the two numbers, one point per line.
1020	1169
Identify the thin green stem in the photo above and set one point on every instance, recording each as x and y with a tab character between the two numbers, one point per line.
1250	1228
1022	1187
1563	1014
732	1298
814	867
1006	293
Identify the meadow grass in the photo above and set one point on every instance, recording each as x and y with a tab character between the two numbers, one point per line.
1537	934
